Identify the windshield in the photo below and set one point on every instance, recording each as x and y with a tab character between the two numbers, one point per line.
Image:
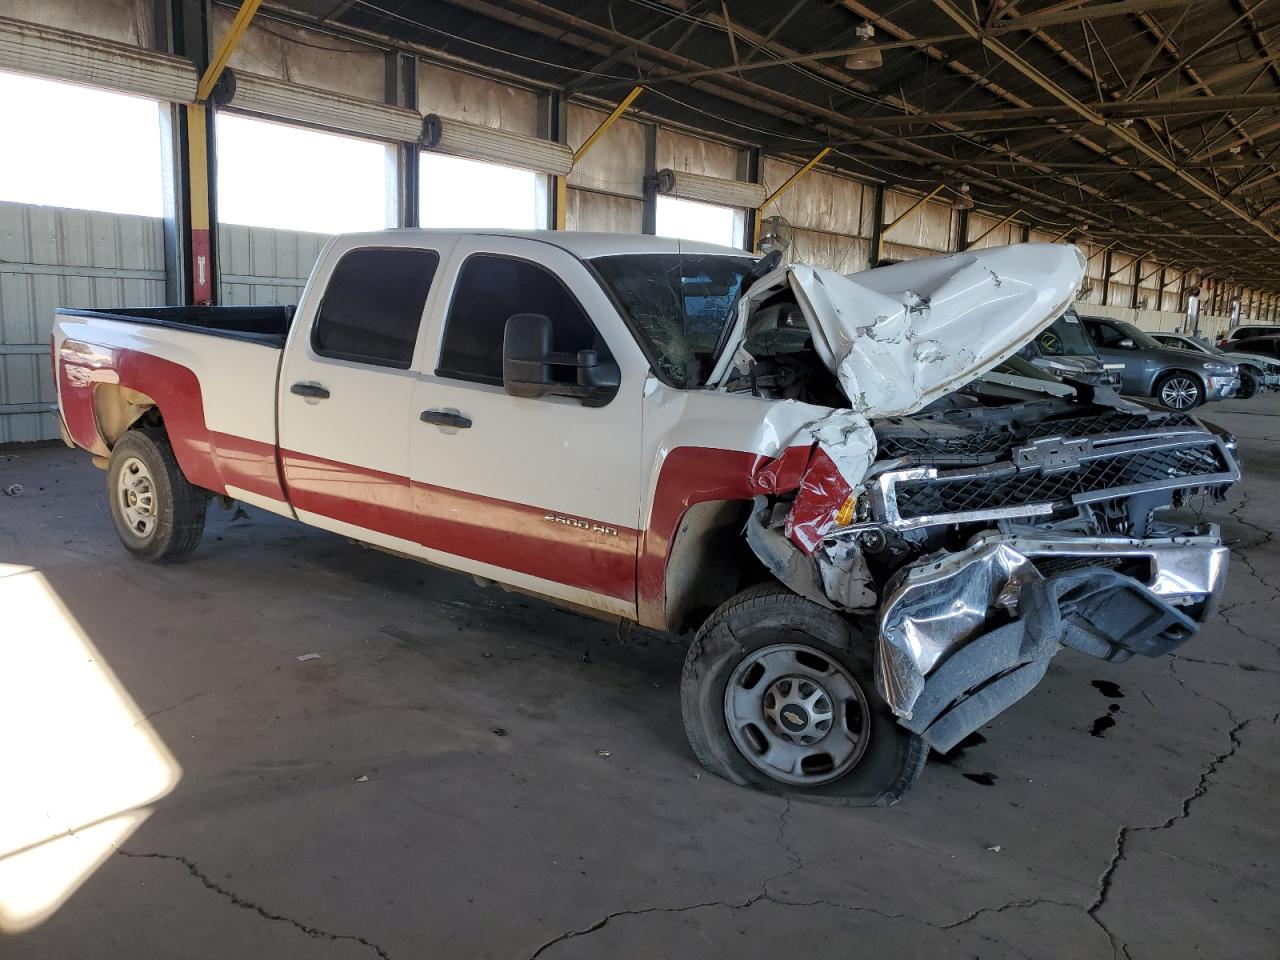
678	305
1066	337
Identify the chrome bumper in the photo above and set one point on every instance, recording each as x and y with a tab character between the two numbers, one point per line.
1219	388
943	605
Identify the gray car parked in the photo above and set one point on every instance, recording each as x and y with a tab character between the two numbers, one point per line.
1257	372
1178	379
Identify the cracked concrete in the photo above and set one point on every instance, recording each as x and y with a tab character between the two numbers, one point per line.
1158	839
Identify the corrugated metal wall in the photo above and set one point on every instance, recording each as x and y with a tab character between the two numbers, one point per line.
606	188
830	216
262	266
53	257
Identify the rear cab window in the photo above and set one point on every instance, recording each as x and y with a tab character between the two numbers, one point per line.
373	305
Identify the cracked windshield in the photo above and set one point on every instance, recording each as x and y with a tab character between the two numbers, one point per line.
678	305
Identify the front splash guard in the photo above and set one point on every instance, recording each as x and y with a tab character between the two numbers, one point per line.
1094	610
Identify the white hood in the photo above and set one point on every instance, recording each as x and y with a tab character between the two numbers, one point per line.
899	337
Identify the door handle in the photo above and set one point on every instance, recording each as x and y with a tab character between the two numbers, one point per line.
313	390
446	418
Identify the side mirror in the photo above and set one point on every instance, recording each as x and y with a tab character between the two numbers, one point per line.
1125	344
529	365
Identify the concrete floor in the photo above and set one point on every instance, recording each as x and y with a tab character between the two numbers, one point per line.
529	792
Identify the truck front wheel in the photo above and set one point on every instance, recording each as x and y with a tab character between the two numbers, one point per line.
778	694
158	514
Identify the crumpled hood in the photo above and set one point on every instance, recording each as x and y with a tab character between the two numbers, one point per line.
899	337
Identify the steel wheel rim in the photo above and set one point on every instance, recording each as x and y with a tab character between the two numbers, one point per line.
1178	393
136	494
796	714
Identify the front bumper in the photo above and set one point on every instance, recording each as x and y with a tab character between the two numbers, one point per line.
964	637
1219	388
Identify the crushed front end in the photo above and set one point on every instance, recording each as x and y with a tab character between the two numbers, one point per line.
992	531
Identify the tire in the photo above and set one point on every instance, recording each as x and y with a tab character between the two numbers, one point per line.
1248	385
163	520
1183	390
747	633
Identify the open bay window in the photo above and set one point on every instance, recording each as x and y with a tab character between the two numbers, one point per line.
475	194
703	222
289	177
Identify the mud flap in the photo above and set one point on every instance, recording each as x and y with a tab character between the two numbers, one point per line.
1094	610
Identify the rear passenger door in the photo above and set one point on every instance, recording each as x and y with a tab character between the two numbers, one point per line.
347	385
544	492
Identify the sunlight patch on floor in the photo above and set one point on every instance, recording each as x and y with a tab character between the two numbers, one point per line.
79	761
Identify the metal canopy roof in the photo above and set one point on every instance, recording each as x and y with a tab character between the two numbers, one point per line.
1151	123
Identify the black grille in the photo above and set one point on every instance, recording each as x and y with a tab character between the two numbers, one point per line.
1116	423
1013	488
926	448
1051	566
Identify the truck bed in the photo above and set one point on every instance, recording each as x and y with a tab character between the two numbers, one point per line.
265	325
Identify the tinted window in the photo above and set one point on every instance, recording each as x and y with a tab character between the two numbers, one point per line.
1266	345
373	306
492	288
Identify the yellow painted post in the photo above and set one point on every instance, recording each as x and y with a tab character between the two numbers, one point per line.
198	157
198	212
561	185
786	185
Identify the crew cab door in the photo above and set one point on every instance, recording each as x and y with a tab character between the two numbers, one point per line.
347	386
539	492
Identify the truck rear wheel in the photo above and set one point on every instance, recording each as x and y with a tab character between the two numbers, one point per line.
778	694
158	514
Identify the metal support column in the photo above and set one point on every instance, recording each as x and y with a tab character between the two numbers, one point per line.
649	215
962	230
877	225
1106	278
750	170
402	91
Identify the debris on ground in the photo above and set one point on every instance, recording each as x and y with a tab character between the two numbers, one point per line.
603	753
362	779
498	731
14	489
308	656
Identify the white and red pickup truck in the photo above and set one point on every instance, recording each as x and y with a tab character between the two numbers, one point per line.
882	524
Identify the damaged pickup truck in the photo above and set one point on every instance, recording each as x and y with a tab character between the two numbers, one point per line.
882	524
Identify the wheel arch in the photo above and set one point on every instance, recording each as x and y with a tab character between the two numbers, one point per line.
709	562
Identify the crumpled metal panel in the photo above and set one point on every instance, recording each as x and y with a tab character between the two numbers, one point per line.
615	164
679	151
938	607
463	96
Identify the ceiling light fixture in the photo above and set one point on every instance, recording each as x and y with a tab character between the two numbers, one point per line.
866	55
